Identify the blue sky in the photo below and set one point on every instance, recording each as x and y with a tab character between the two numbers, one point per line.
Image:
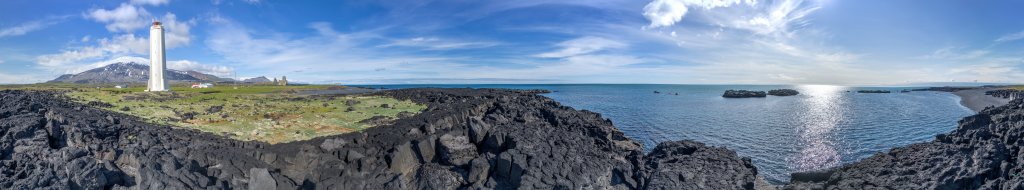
863	42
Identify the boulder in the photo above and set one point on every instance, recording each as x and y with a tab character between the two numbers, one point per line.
692	165
260	179
456	150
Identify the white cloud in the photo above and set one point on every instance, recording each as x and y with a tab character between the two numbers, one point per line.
965	64
1011	37
62	60
188	65
582	45
218	2
780	18
326	56
771	42
21	78
74	59
955	53
177	32
434	43
125	18
989	70
149	2
664	13
181	65
25	28
77	59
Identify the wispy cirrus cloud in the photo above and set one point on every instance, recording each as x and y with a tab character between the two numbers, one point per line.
434	43
336	56
582	45
762	42
150	2
30	26
1011	37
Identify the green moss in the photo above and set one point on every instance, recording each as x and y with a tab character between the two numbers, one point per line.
271	114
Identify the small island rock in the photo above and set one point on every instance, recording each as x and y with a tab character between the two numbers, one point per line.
783	92
874	91
743	94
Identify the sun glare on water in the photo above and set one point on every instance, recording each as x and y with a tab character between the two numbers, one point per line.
820	120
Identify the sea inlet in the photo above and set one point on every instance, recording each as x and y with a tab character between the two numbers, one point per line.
822	127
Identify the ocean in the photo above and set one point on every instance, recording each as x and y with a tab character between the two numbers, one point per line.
823	127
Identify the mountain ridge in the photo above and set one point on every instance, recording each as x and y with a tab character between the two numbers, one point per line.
131	72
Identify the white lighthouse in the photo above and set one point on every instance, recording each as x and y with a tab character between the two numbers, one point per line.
157	59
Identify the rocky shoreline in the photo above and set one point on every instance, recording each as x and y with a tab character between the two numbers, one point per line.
984	152
465	139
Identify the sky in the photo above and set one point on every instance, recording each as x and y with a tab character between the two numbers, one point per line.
862	42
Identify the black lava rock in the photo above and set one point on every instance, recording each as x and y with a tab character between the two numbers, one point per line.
984	152
744	94
783	92
874	91
1006	93
465	139
692	165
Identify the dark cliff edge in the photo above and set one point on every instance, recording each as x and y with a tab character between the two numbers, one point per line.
465	139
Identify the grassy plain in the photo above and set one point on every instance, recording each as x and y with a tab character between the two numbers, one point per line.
272	114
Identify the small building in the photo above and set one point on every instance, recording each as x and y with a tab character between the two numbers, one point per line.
118	86
283	81
202	85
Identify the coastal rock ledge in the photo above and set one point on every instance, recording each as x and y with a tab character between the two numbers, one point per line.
465	139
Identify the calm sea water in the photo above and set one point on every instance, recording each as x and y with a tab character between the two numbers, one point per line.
823	127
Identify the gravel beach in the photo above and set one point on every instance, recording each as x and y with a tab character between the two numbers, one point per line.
976	100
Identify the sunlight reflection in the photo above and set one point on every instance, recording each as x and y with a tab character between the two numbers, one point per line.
823	113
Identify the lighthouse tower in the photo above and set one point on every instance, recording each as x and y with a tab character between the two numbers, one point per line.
157	59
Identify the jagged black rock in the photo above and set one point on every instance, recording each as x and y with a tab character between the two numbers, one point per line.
465	139
475	139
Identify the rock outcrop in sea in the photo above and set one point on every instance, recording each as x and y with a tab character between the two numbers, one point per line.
744	94
874	91
783	92
465	139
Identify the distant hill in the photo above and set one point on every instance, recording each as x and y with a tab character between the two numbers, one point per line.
207	77
132	73
260	79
